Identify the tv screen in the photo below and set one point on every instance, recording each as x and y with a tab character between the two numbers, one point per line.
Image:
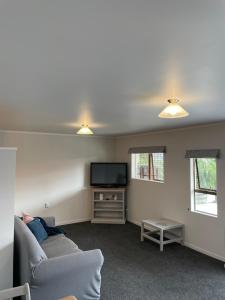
108	174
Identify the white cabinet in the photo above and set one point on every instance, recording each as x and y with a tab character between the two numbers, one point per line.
108	206
7	189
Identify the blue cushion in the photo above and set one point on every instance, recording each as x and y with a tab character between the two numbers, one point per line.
38	230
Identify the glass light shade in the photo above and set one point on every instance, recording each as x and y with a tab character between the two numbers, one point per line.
85	130
173	110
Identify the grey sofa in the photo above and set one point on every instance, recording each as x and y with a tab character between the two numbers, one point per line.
57	267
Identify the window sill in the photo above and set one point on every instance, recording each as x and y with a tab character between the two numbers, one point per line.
147	180
204	214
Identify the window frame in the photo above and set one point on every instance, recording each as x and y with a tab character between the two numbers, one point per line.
194	166
151	173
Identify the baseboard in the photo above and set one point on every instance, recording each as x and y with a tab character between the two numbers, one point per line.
135	222
73	221
191	246
203	251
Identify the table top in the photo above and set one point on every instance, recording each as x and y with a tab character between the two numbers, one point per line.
162	223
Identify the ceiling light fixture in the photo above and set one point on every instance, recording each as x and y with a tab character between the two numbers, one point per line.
85	130
173	110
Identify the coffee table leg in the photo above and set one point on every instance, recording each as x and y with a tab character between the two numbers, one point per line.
142	231
161	240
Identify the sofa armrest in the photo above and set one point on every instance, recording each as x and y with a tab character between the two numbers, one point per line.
75	274
50	221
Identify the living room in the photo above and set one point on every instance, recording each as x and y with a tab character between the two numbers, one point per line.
108	68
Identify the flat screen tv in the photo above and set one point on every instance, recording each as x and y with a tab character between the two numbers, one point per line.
108	174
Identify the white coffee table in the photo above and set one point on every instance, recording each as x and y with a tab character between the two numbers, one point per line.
162	227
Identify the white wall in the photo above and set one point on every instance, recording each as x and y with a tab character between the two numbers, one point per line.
55	169
172	199
7	189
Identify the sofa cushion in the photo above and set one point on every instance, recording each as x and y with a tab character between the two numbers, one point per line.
38	230
59	245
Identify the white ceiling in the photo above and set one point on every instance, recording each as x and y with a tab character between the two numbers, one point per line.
110	63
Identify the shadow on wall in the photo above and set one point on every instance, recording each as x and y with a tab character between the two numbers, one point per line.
62	186
75	207
70	206
53	183
87	174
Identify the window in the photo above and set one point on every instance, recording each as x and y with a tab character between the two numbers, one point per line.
204	186
148	166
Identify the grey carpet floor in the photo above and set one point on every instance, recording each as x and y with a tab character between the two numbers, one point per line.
133	270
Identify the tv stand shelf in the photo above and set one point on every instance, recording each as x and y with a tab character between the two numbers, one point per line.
108	205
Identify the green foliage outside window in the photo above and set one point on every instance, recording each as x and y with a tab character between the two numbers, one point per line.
206	168
143	159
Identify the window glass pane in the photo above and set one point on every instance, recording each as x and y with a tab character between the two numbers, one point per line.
206	176
148	166
158	166
204	196
142	165
205	203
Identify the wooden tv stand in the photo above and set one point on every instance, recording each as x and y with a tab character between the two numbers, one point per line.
108	205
